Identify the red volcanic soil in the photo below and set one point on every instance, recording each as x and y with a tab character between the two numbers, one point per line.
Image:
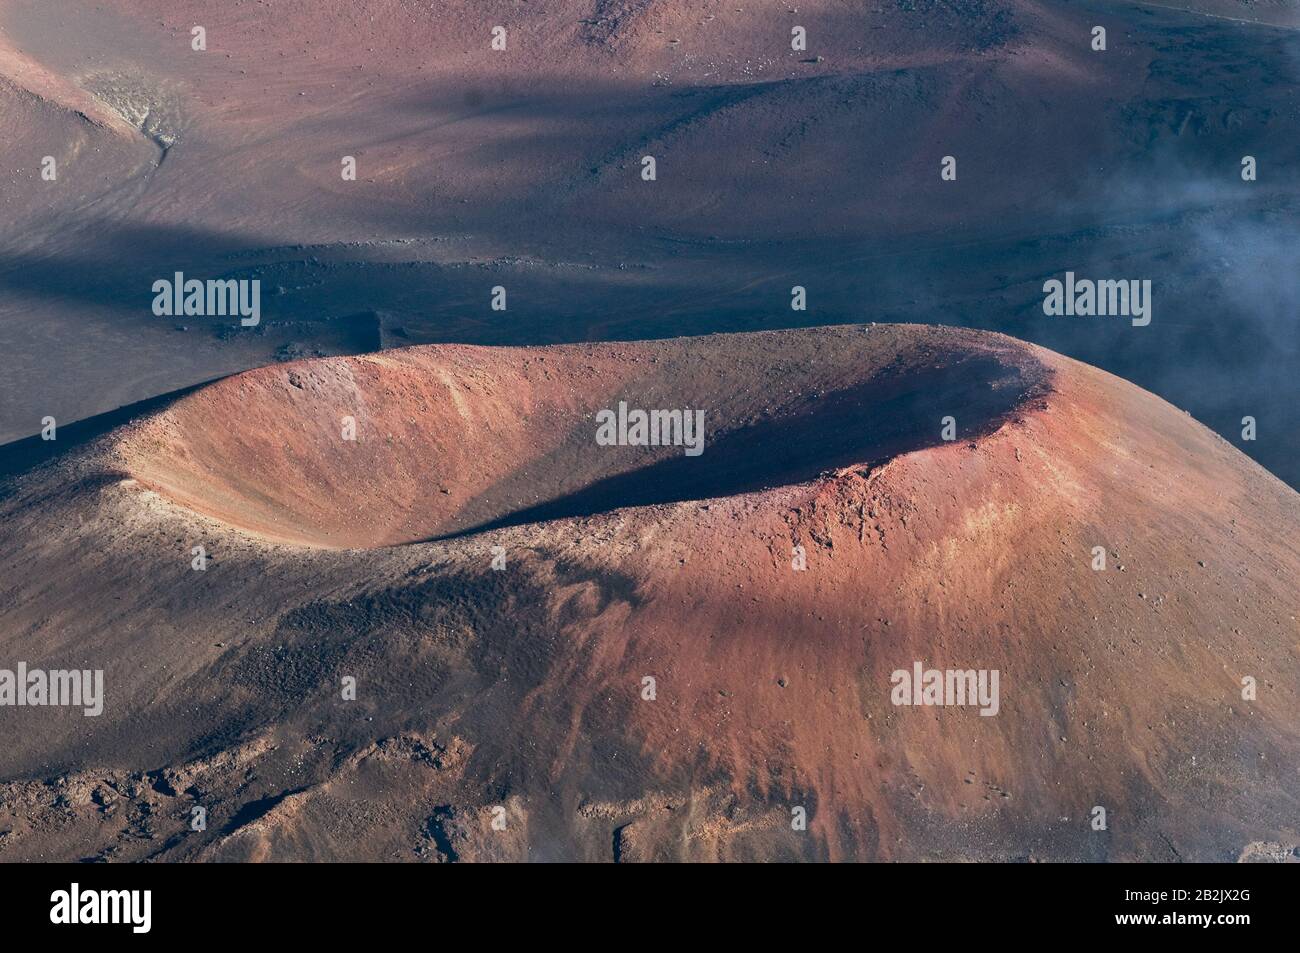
519	693
521	168
449	438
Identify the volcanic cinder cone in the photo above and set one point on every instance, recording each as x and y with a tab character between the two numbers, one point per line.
563	649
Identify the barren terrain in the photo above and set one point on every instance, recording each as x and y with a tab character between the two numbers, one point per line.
521	687
521	168
397	488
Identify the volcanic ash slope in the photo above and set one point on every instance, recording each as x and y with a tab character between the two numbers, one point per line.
509	713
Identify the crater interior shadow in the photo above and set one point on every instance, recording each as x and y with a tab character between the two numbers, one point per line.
863	425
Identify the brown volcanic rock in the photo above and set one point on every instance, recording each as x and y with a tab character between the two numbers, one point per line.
521	168
522	689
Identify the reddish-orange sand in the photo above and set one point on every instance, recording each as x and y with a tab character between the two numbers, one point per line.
521	693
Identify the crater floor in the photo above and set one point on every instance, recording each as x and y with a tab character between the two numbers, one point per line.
428	442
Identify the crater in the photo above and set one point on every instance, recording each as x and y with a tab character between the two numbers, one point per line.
427	443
